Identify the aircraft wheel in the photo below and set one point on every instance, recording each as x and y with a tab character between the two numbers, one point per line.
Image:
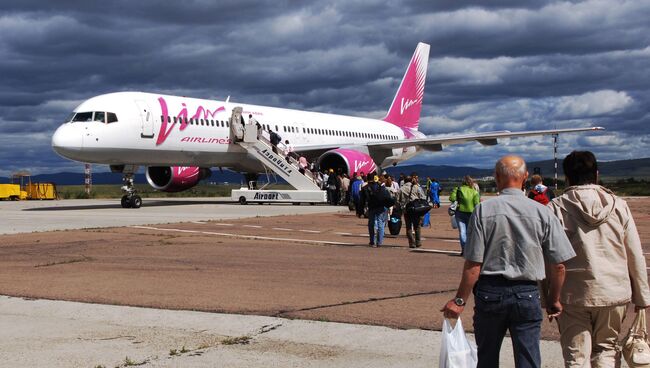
136	201
296	203
126	203
242	200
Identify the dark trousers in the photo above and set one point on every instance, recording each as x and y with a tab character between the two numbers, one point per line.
413	224
506	305
333	196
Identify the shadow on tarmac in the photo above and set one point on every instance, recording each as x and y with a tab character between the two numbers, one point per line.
154	203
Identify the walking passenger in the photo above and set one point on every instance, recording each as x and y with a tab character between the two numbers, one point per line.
345	189
332	184
434	193
467	199
509	239
275	138
378	199
289	150
608	272
540	192
355	192
411	191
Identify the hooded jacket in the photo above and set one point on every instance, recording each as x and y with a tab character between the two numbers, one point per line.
609	267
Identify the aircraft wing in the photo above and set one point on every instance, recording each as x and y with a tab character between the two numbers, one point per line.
485	138
433	143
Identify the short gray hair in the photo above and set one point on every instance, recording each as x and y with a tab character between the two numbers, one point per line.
511	167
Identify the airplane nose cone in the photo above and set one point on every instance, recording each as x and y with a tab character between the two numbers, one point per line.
67	141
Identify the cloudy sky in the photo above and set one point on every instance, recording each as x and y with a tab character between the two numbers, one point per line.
511	65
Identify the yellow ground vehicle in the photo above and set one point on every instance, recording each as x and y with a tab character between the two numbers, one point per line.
25	189
11	192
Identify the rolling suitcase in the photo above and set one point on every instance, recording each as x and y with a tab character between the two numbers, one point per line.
394	225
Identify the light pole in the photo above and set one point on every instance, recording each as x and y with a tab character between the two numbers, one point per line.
555	159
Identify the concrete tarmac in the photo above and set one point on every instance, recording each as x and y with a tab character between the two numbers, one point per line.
43	333
301	267
31	216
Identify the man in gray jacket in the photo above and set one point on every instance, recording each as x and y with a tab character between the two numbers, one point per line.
608	271
411	191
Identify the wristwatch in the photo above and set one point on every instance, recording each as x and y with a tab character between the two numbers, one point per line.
459	301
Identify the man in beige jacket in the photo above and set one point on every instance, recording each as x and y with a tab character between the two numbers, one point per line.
608	272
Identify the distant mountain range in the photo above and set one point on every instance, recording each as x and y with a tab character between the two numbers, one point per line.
637	168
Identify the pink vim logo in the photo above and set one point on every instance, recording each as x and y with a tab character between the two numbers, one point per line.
367	166
167	125
405	104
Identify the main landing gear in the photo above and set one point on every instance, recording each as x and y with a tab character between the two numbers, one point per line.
130	199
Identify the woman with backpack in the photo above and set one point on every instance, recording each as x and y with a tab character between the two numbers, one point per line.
467	198
540	192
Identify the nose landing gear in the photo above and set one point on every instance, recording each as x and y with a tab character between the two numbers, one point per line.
130	199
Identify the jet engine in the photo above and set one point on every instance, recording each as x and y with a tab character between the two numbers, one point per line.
348	160
175	178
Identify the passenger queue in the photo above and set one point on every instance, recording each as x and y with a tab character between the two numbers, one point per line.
577	255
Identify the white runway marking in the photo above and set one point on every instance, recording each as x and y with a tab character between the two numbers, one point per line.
222	224
420	250
310	231
282	229
155	228
451	241
343	233
254	237
254	226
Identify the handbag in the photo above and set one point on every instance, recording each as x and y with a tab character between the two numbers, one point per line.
456	351
635	345
451	211
417	207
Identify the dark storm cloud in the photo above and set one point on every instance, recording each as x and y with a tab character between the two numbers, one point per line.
494	65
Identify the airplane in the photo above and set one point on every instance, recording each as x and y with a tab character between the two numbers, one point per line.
178	139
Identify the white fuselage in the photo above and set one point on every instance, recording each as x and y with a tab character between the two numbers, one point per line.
151	130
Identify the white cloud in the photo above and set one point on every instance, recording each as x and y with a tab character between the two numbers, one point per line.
471	71
605	102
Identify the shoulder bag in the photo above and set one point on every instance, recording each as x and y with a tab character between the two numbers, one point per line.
635	346
417	207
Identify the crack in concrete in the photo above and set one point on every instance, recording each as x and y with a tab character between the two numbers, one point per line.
283	313
267	328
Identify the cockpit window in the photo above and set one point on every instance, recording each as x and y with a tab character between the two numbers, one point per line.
83	116
100	116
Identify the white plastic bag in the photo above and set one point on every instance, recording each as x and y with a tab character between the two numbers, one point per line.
456	351
454	223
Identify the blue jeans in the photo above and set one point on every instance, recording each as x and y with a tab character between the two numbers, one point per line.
376	223
462	218
506	305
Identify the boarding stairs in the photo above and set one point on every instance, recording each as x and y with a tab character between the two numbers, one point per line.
278	161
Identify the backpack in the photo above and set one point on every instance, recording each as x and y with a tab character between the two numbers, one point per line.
379	197
540	197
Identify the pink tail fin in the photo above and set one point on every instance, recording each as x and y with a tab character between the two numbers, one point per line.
407	104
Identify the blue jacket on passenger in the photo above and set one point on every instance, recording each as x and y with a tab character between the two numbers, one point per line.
356	189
